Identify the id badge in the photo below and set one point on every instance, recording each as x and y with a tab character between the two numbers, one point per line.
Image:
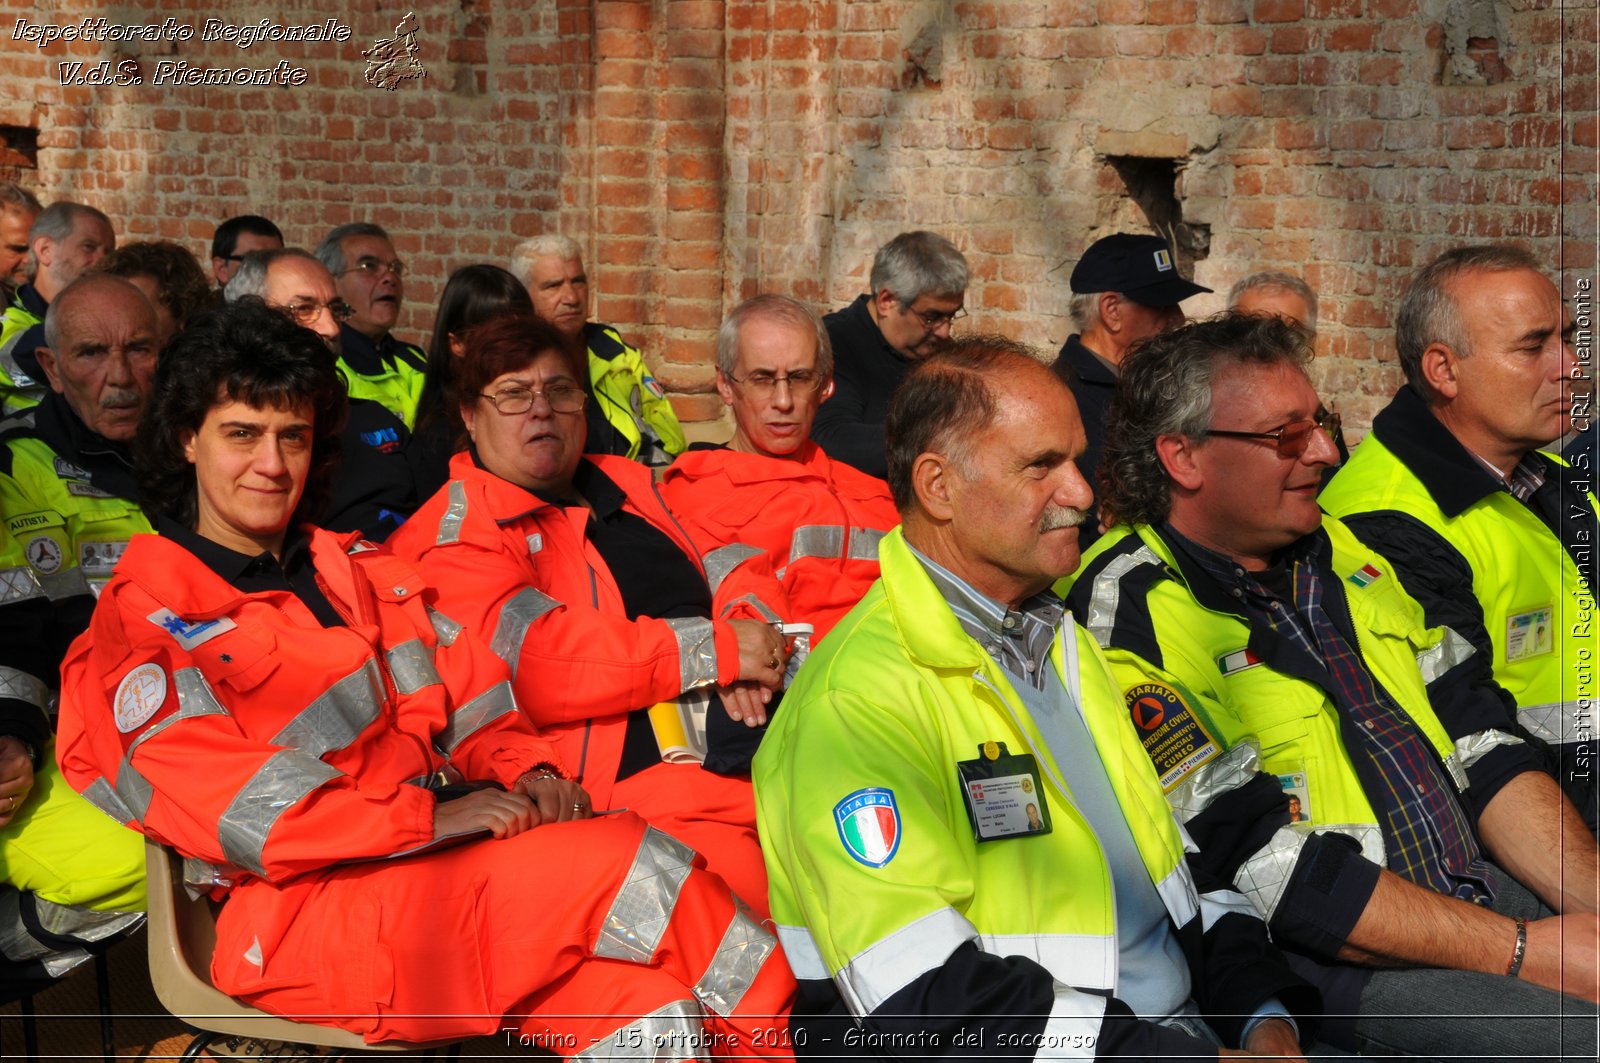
1003	793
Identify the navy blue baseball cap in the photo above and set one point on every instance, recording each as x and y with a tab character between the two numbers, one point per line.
1139	267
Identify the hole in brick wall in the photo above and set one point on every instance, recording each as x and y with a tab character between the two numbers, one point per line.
1152	184
19	149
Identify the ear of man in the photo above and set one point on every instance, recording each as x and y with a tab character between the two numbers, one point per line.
47	362
1441	369
1177	454
931	475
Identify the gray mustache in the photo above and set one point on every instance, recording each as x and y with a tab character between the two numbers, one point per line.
1062	517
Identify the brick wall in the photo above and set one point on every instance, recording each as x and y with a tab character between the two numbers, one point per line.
704	150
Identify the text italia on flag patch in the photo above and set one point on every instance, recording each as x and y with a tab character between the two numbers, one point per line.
869	825
1365	575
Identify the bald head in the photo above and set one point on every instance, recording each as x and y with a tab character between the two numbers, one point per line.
100	352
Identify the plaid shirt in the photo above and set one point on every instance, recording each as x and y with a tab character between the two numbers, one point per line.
1426	833
1018	639
1526	477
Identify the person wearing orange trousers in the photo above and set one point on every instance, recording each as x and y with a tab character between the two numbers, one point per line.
771	488
576	573
284	707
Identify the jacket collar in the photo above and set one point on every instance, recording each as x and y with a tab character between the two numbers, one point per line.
602	479
928	629
1090	367
108	464
1422	443
202	594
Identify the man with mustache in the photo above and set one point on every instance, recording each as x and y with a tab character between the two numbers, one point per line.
919	905
371	279
1263	651
18	208
74	878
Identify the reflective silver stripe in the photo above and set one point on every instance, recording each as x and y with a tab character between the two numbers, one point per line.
1265	875
1474	746
19	946
195	698
800	949
203	875
18	584
100	794
864	544
82	924
454	514
1457	773
23	687
286	777
68	583
1073	1027
724	559
1221	774
769	614
361	547
470	718
1177	892
740	956
134	789
526	606
817	540
338	715
697	651
1108	591
411	665
892	963
675	1032
638	918
1218	903
1438	659
445	629
1559	722
1085	960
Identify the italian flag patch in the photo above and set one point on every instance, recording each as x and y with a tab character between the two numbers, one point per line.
1365	576
869	825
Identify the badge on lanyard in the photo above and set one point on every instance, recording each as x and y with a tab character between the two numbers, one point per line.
1003	793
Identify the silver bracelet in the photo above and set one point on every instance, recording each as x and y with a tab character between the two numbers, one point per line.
1515	966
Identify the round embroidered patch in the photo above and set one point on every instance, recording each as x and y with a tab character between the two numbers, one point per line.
140	694
43	553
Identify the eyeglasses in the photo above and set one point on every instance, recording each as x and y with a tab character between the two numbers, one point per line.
376	267
932	319
305	311
764	385
563	398
1293	438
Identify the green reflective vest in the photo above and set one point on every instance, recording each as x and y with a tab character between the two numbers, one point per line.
68	532
1537	607
629	396
874	870
1212	714
18	390
398	386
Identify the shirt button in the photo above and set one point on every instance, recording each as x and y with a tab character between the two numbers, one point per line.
1027	666
1237	593
1009	623
1369	725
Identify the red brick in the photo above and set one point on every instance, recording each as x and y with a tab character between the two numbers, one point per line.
1122	12
1278	10
1236	100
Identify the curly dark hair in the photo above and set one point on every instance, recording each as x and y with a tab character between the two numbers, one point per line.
180	283
244	352
1165	390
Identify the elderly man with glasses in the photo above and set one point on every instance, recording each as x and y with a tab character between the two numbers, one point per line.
1267	656
771	489
376	485
370	278
919	282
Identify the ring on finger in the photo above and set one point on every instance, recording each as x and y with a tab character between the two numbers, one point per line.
577	806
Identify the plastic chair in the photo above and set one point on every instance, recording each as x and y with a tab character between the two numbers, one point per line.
183	934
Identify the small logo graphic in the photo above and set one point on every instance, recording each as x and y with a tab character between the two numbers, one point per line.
68	471
1163	260
139	696
190	633
384	440
44	554
1365	576
393	60
869	825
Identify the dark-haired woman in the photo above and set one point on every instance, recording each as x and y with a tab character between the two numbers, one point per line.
285	707
473	294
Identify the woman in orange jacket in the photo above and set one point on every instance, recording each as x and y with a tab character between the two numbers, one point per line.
575	572
289	709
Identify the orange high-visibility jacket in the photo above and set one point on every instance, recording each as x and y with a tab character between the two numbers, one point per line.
206	718
818	520
522	574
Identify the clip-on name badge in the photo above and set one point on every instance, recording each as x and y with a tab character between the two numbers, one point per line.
1003	795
